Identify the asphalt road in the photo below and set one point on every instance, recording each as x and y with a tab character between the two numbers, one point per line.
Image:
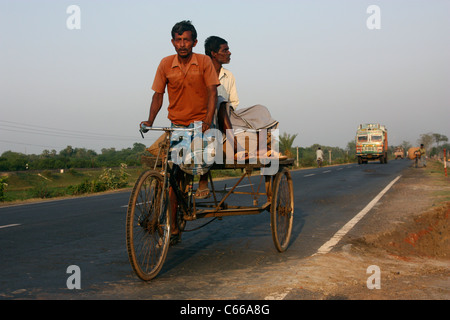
40	241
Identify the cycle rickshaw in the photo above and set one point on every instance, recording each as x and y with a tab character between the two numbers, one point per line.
149	213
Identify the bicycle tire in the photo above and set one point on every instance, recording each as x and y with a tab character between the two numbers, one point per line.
282	209
148	225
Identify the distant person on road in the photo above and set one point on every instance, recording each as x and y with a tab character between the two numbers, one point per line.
319	156
422	155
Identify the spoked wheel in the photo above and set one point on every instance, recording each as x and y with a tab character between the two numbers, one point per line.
282	209
185	183
148	225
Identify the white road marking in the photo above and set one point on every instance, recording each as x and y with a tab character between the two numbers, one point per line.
309	175
326	171
326	247
10	225
240	186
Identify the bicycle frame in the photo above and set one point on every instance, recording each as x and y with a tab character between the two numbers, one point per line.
169	173
193	210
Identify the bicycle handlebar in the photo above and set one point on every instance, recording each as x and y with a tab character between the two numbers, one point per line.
143	129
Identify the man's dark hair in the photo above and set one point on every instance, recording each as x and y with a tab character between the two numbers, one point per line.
213	44
183	26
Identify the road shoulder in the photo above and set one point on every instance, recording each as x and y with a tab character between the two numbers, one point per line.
405	241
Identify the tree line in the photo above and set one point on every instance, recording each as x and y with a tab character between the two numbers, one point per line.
110	157
72	158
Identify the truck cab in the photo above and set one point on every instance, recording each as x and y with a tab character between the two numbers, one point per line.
399	153
371	143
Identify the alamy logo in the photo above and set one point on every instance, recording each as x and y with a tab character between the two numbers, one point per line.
74	281
374	20
374	281
73	22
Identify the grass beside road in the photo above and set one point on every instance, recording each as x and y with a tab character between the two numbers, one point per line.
49	184
45	184
435	169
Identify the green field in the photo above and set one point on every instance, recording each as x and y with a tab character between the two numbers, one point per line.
436	170
50	184
45	184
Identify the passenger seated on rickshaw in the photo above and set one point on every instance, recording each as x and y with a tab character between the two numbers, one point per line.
227	116
251	134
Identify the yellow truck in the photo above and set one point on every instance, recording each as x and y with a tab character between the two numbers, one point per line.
399	153
371	143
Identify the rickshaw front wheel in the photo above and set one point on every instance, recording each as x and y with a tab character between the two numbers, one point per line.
148	225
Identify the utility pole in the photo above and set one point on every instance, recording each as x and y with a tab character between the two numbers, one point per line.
329	152
445	162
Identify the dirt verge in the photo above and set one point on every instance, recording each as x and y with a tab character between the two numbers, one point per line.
406	241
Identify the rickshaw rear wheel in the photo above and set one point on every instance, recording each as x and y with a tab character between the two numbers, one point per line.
282	209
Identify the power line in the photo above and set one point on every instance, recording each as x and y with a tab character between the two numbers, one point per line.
29	144
67	136
55	132
12	126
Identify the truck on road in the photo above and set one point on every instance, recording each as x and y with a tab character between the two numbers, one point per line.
371	143
399	153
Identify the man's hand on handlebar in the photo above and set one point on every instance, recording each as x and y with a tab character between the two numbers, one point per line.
142	127
144	124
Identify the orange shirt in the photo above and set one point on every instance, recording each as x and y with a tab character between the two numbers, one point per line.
188	98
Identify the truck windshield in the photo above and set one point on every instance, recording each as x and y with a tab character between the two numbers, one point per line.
362	138
376	138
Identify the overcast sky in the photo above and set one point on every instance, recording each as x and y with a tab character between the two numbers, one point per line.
321	67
